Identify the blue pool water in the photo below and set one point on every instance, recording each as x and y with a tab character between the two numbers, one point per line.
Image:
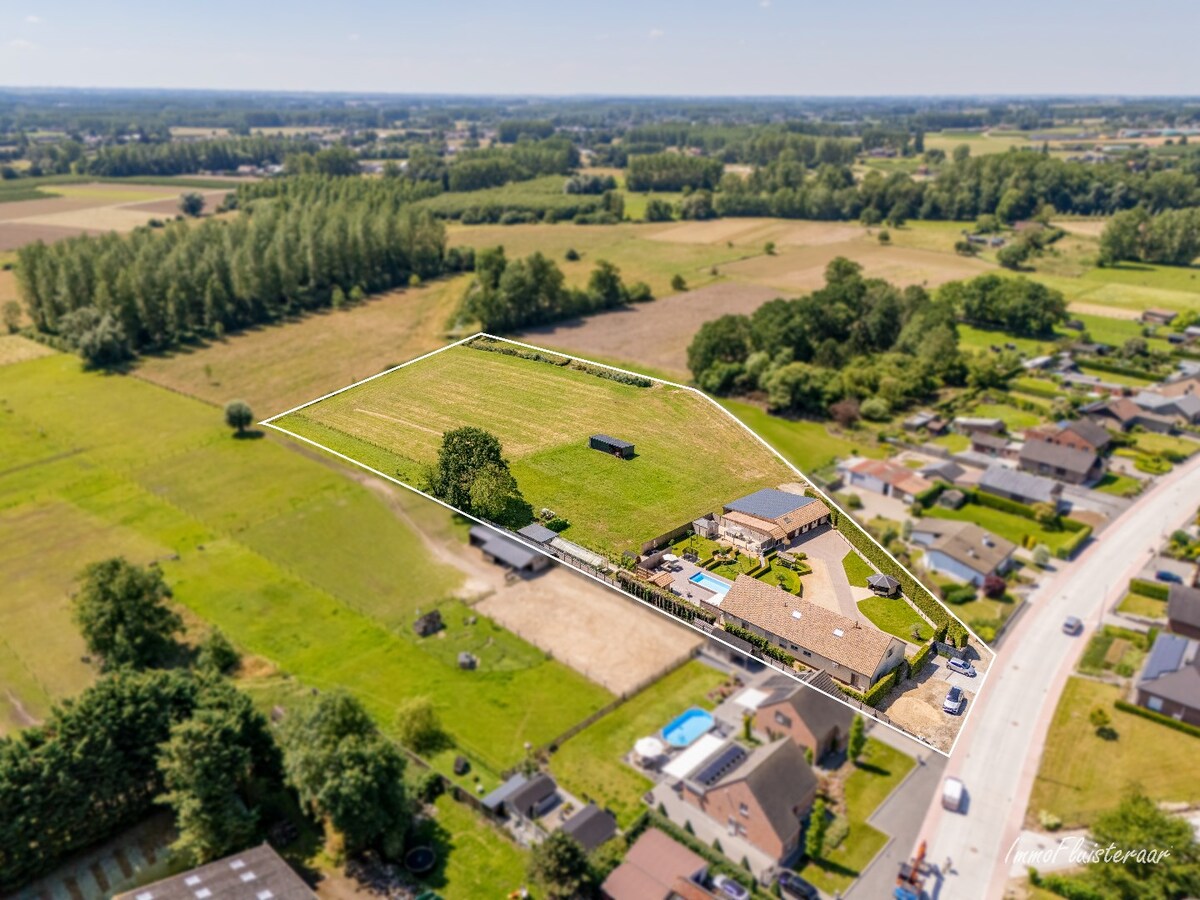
716	585
687	726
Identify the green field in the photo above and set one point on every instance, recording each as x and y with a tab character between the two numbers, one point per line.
690	457
1014	419
1082	774
1003	524
858	570
895	616
590	764
808	446
263	542
474	858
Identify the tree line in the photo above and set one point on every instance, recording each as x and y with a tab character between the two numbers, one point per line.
1170	237
298	244
672	172
185	157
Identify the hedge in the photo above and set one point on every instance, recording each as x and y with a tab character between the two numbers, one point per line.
1069	548
1070	889
1103	365
1150	714
929	496
1156	590
761	643
920	658
663	600
875	694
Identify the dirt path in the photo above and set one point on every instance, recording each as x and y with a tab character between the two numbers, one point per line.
1098	309
20	715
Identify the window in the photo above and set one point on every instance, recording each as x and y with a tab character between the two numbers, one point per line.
1154	703
781	719
806	652
744	810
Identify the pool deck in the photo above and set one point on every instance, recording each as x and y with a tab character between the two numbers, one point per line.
681	584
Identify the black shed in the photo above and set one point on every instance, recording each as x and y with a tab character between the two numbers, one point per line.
615	446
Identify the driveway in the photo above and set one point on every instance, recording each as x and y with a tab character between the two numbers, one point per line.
1108	505
828	547
955	679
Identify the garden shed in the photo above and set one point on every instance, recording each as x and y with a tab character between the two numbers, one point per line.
615	446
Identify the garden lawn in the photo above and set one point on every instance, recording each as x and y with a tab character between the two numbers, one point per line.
1119	485
877	773
808	446
1141	605
895	616
954	442
474	858
858	570
1013	418
1117	377
1004	524
1083	775
590	764
1113	650
1157	444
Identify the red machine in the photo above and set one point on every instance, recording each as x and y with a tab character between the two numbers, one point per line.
910	883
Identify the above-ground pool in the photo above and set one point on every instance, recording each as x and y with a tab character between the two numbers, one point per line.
687	726
710	582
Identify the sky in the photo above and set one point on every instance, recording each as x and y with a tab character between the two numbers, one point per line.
622	47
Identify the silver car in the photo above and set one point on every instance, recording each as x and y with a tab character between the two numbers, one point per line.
961	666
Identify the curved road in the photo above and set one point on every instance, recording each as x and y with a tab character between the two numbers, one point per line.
998	753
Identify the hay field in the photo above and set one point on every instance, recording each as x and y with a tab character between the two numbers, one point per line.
278	367
691	457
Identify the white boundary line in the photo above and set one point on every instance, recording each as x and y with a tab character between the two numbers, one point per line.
269	423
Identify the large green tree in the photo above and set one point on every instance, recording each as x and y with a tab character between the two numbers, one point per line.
560	866
471	474
121	611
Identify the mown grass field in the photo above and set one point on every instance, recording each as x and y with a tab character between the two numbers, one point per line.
808	446
296	563
690	457
1003	524
1082	775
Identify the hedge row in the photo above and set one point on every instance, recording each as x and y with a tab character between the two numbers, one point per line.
1156	590
1103	365
1150	714
930	495
494	346
875	694
920	658
1069	548
663	600
612	374
761	643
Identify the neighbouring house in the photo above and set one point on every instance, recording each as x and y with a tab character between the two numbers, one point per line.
1169	682
972	424
962	550
258	873
591	826
988	444
1082	434
1059	462
523	797
1093	383
1183	611
505	551
853	653
930	421
1159	316
754	799
813	720
944	469
1001	481
1184	408
657	868
769	518
611	445
428	624
1122	413
1184	384
884	477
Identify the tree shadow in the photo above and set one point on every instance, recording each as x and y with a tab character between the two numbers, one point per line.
249	434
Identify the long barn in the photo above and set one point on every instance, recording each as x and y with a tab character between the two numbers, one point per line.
615	446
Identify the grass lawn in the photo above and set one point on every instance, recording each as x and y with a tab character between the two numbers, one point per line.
1116	377
590	765
1113	650
257	539
873	778
1003	524
1082	775
474	858
858	570
1015	419
1141	605
973	338
895	616
985	610
953	441
1119	485
690	457
808	446
1157	444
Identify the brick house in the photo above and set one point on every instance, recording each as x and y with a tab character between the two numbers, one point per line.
1183	611
1169	682
810	718
769	518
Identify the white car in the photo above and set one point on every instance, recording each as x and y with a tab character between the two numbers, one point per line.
961	666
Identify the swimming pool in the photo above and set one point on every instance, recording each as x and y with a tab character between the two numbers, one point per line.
687	727
709	582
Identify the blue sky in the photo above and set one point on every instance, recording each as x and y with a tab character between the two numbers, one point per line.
785	47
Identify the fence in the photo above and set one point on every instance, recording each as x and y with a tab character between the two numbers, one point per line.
666	537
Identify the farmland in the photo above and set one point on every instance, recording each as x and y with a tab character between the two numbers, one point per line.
254	538
690	457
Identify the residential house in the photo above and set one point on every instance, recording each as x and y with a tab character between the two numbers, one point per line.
523	797
754	799
1059	462
962	550
988	444
1169	682
943	470
1183	611
1177	387
1183	408
505	551
657	868
769	518
813	720
1082	435
591	827
930	421
853	653
1122	413
258	873
972	424
884	477
1159	316
1001	481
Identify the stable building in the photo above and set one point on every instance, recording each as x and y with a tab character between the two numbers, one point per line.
258	873
505	551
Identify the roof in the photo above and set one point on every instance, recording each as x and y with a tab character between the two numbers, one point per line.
1095	435
1172	670
591	826
945	469
967	543
979	422
538	533
780	779
496	798
612	441
1003	480
770	503
531	793
258	873
818	711
766	526
807	625
1167	315
987	439
506	550
651	867
1122	408
884	581
1183	605
1060	457
898	476
1184	404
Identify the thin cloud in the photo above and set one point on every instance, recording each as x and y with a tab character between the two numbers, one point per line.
765	4
21	44
353	37
656	32
34	20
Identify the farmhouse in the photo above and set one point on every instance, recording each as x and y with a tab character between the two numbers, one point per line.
1183	611
255	874
1159	316
854	654
1056	461
884	477
657	868
962	550
1022	487
611	445
1169	682
769	518
505	551
814	721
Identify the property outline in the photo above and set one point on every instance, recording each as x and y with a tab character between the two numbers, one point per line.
269	423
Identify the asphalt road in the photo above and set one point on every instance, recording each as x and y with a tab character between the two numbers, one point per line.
998	753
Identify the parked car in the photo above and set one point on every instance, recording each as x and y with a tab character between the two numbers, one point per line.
954	701
794	887
1072	625
727	887
953	792
961	666
1164	575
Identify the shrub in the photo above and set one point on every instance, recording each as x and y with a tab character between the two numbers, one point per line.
678	283
959	593
875	409
1154	589
1049	820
